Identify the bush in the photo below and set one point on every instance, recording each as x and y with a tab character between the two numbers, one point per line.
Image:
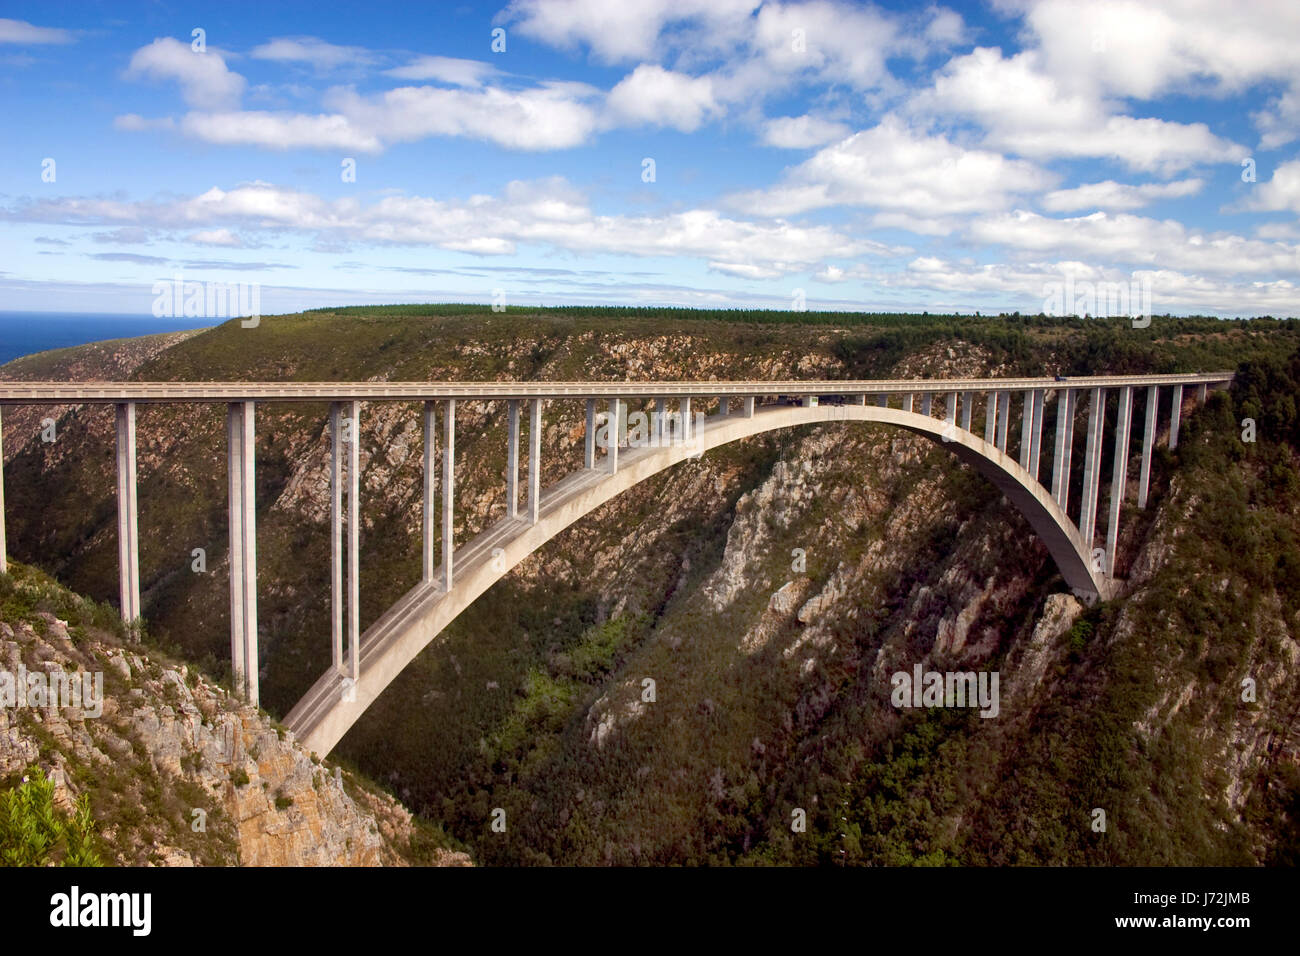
34	832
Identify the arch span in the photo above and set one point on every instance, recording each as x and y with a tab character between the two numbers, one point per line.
333	705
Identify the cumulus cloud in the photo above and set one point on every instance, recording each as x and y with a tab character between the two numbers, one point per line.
1026	110
802	132
893	167
1113	195
1137	240
1281	192
206	83
651	95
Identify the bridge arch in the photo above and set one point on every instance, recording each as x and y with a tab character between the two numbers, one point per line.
333	704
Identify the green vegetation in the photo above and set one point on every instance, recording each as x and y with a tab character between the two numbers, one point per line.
34	832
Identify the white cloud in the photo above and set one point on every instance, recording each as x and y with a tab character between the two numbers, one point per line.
550	116
20	31
445	69
548	213
892	167
654	96
135	123
1026	110
802	132
1280	192
205	81
279	130
618	32
1138	240
1030	286
312	50
1113	195
215	237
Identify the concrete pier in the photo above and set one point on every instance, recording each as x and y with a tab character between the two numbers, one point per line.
243	545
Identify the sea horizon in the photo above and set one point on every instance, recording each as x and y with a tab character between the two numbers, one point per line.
27	332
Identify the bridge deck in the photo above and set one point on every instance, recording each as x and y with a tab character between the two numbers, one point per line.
27	393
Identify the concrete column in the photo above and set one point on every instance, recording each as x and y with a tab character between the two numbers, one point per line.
1177	417
1148	439
883	399
1068	460
1092	467
336	533
615	413
512	459
4	562
660	431
747	406
907	402
858	399
927	402
684	409
990	416
535	461
1201	391
967	400
430	488
1060	460
1036	435
354	541
448	488
723	408
809	401
1119	475
589	459
243	549
128	534
1026	428
950	414
1004	413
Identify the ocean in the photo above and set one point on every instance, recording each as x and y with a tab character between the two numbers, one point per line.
22	333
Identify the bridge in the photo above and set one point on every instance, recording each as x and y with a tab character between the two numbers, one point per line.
633	430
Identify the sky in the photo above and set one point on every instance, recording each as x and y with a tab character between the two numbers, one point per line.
702	153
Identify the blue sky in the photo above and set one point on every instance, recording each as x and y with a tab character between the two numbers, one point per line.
849	156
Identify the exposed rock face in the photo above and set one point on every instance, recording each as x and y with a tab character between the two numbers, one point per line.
180	773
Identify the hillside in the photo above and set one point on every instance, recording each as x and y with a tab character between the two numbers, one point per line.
771	676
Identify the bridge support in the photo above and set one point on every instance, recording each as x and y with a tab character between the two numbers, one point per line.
336	534
724	408
1148	439
1060	460
1201	391
1119	475
990	417
589	456
1177	416
534	461
1092	467
611	442
907	402
512	460
882	400
1026	428
950	413
967	399
1004	413
448	488
685	428
927	402
128	534
1036	434
430	487
4	562
243	546
354	540
747	405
